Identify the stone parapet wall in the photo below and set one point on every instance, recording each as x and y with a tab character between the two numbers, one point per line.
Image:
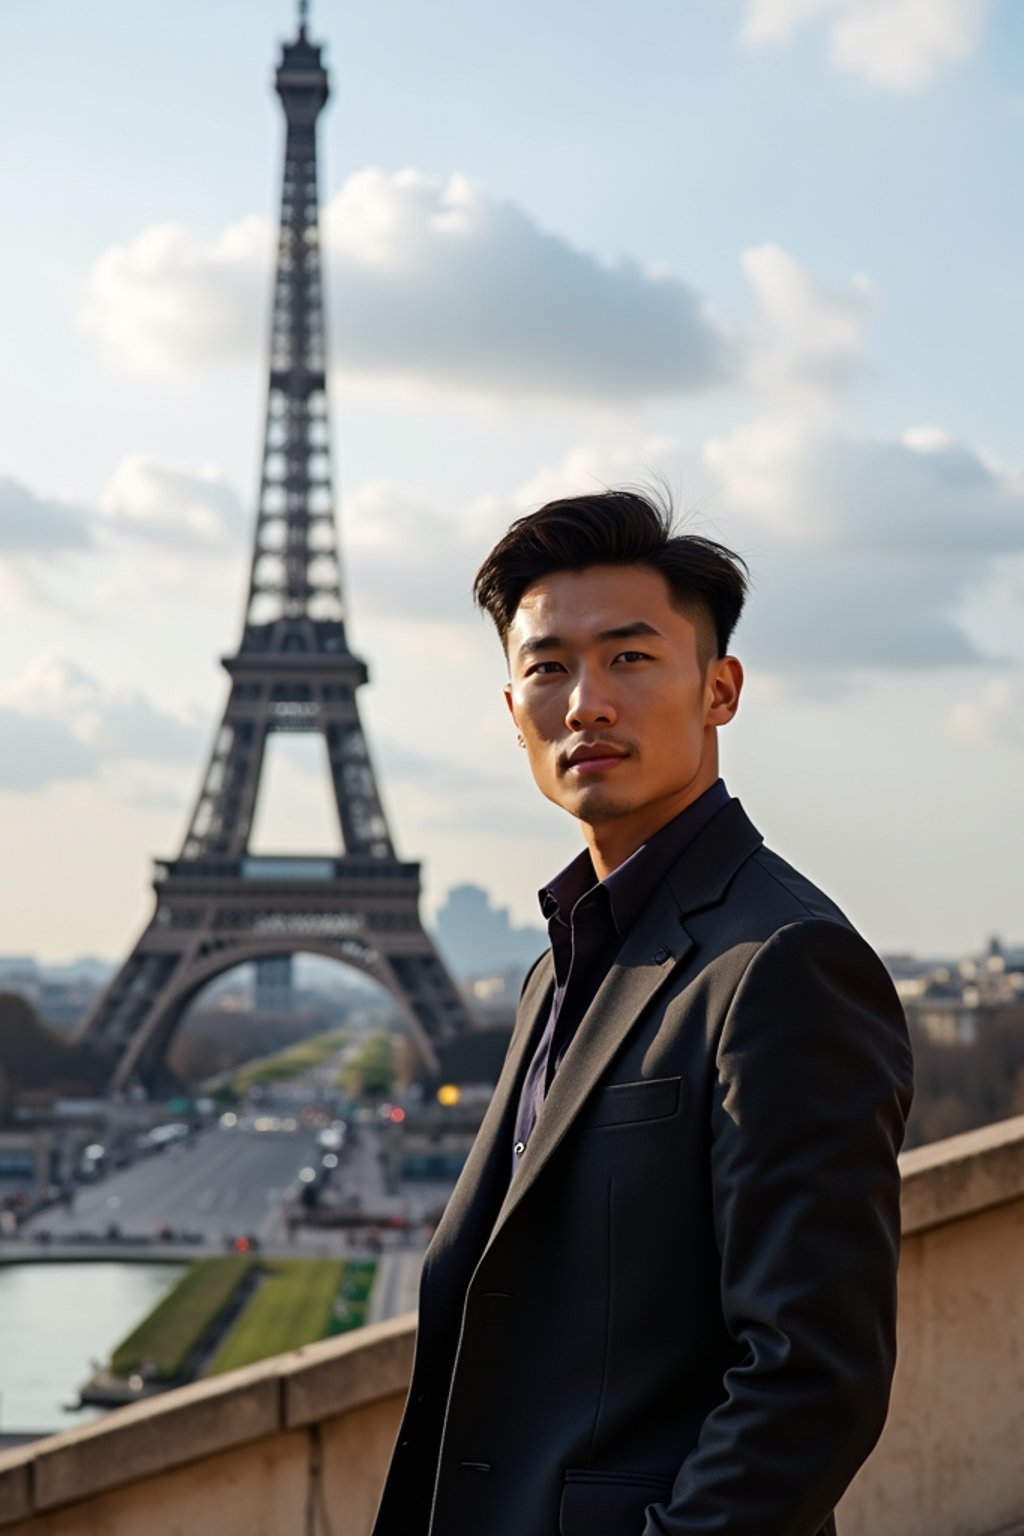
950	1461
264	1451
299	1444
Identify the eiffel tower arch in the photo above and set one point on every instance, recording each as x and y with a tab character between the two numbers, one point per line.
218	905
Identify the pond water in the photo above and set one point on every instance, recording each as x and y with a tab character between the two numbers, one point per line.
57	1321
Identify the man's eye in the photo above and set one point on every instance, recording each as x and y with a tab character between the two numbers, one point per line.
632	656
544	668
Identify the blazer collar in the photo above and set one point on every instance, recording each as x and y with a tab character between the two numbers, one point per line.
701	877
655	947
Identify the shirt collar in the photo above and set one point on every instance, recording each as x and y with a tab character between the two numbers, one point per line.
559	897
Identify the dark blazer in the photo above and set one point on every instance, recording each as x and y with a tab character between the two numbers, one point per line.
679	1318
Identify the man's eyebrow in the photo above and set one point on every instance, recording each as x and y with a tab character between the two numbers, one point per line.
535	645
633	631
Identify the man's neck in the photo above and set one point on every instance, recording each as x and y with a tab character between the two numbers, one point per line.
613	841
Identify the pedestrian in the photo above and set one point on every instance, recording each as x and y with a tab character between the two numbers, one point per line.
661	1301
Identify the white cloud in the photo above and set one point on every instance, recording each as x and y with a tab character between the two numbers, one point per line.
866	550
900	45
922	494
166	504
412	562
439	283
40	536
868	555
435	286
407	559
38	526
167	298
38	750
588	467
773	21
188	511
432	284
811	341
155	528
819	617
58	722
905	44
165	531
994	713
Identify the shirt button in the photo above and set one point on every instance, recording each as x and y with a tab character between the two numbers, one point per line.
520	1148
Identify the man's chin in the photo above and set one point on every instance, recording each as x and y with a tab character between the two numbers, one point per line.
597	804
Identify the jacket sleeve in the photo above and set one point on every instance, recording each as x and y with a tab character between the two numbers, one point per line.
812	1091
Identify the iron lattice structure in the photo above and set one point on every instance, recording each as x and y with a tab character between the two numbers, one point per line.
217	905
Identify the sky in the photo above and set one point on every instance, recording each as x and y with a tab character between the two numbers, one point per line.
768	252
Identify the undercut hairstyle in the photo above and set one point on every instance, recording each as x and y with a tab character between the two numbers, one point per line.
706	580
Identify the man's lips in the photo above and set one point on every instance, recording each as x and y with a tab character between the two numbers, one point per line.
593	757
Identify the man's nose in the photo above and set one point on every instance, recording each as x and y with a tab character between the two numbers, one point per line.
589	705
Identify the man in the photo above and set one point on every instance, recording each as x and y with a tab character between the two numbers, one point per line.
661	1301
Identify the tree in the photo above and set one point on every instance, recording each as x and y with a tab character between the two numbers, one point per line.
370	1072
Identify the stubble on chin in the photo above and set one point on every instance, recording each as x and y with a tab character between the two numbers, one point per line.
596	804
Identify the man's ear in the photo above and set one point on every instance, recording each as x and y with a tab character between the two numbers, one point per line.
507	690
725	684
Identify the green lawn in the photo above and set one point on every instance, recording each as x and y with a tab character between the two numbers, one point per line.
293	1306
178	1323
289	1063
349	1310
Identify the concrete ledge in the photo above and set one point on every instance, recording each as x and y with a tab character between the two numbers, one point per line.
306	1386
157	1434
339	1375
963	1175
15	1485
23	1251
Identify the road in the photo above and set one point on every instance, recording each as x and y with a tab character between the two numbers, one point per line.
226	1183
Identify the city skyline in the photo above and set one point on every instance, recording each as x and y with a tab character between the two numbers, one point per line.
786	350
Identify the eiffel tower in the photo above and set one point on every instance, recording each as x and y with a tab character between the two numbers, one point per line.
217	905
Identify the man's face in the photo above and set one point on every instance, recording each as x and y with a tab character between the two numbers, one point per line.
609	695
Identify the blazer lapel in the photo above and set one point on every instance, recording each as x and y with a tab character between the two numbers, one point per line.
654	949
468	1216
644	963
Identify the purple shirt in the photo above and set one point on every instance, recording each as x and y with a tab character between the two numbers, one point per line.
588	920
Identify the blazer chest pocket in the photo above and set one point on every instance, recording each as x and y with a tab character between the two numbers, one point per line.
655	1098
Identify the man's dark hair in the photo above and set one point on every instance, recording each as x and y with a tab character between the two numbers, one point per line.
613	528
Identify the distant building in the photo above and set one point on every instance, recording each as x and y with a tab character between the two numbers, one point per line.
951	1001
18	972
480	940
60	994
273	989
